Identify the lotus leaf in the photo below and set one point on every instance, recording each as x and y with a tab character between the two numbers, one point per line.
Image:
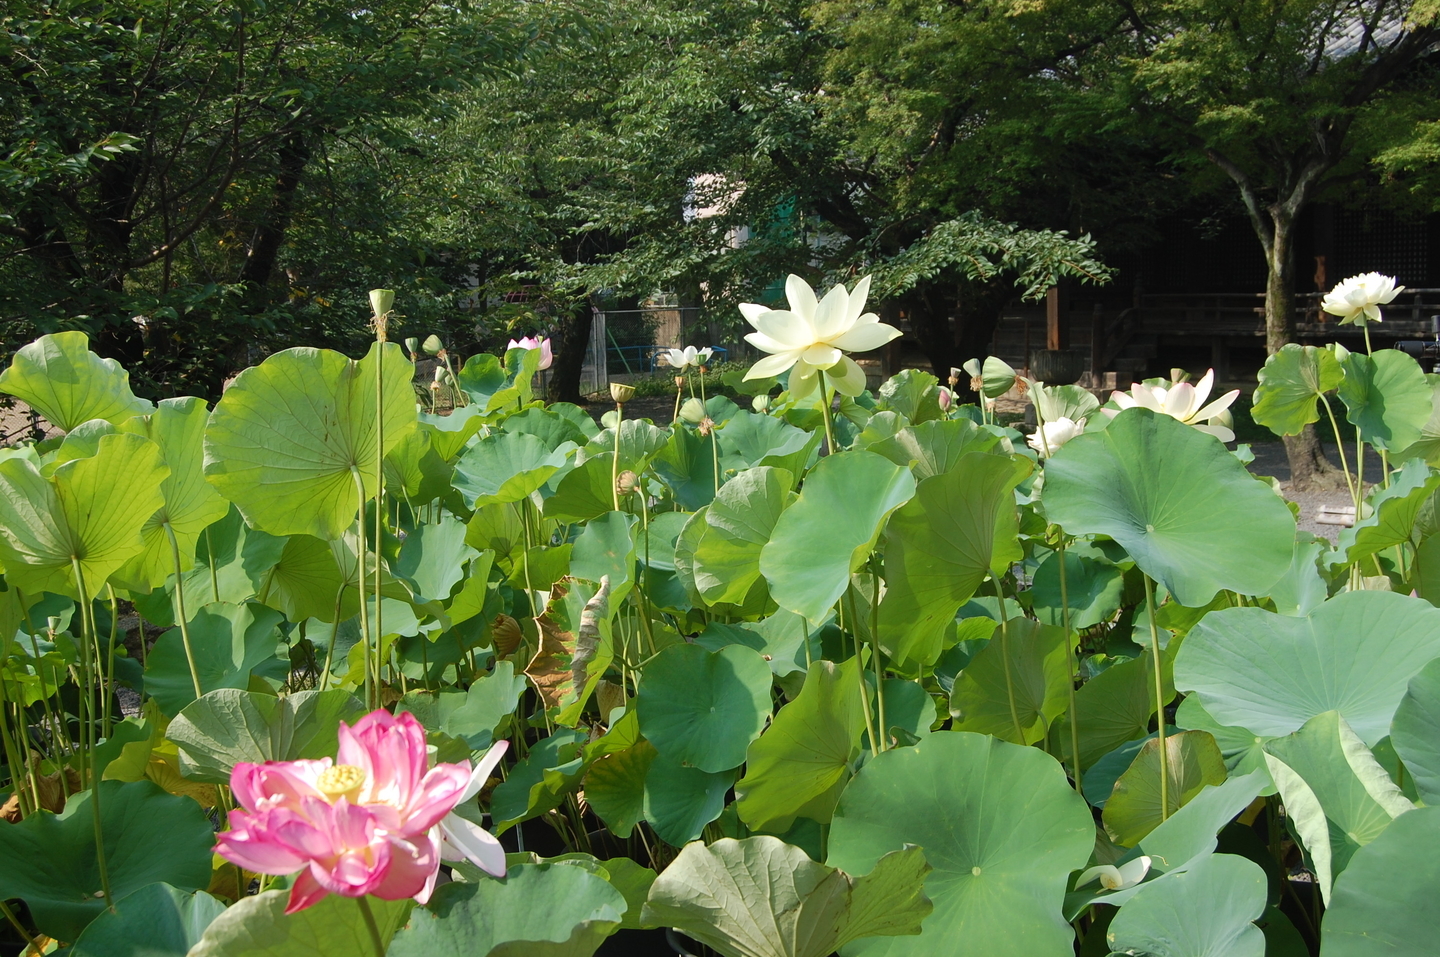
704	708
223	728
1207	911
259	927
1291	386
155	921
59	377
1384	903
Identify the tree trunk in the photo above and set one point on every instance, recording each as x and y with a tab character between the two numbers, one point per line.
269	235
1309	469
571	340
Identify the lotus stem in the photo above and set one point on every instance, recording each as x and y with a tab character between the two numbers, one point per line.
1005	657
714	444
860	665
1365	327
825	399
878	662
19	927
181	616
371	692
87	624
615	462
371	926
380	329
1340	446
110	654
1070	657
13	758
214	575
1159	700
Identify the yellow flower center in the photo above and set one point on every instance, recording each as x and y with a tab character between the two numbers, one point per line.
343	780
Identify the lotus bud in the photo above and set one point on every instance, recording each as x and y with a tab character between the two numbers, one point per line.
692	411
506	634
946	399
626	482
412	346
760	403
433	345
621	392
382	301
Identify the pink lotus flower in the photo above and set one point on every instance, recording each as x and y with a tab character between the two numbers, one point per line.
538	342
375	821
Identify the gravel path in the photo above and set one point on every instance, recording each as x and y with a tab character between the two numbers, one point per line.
1270	460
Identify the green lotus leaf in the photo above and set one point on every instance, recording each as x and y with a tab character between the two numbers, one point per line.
1190	833
687	465
1114	707
1016	685
606	549
681	800
232	561
1384	903
291	437
225	727
414	471
749	440
999	823
306	583
738	525
1206	911
155	921
1269	674
585	492
1243	751
704	708
432	559
780	639
177	426
1290	387
59	377
640	439
259	927
1386	397
537	910
1415	731
1181	505
941	545
914	394
539	782
1337	796
799	766
506	467
1063	401
91	509
1301	589
548	426
1133	809
1427	447
497	528
1094	590
449	434
933	448
761	897
149	836
829	531
615	787
488	705
1393	515
481	377
229	641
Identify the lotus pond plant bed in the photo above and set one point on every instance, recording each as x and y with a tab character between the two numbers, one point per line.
834	672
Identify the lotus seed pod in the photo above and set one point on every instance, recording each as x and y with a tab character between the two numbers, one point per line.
439	374
412	345
626	482
382	301
760	403
692	411
621	392
506	633
679	382
433	345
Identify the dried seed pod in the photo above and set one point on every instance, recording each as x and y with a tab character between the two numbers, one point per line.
608	696
506	633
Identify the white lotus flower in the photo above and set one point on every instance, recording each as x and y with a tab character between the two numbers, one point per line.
1181	401
1052	435
462	840
1114	878
686	357
1359	298
814	336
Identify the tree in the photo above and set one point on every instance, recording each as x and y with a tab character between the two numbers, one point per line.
1277	96
156	155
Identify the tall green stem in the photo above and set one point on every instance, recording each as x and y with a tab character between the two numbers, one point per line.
860	667
714	445
1005	657
87	623
371	926
878	660
1340	446
825	398
1159	699
615	463
181	615
1070	657
380	325
371	691
13	757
